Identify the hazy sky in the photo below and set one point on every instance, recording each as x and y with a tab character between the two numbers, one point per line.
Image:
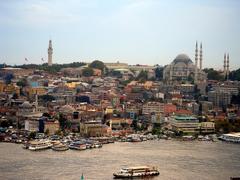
132	31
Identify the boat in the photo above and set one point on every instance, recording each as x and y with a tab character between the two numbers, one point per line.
25	145
231	137
78	145
187	138
60	147
55	142
139	171
97	145
39	145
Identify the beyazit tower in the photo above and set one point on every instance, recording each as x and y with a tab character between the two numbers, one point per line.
50	52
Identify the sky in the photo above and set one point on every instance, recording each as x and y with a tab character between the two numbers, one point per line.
131	31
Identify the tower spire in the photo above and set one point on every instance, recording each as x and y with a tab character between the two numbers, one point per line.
224	66
50	52
196	64
227	66
200	56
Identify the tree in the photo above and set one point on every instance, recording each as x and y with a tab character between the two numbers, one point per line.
51	69
58	132
22	83
236	99
87	72
32	135
213	74
156	129
191	78
8	78
142	76
45	114
97	65
47	132
62	121
117	74
47	98
159	73
235	75
15	96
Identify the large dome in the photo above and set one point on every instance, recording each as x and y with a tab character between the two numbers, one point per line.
182	58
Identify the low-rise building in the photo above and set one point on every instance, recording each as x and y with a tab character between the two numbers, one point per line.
219	98
51	127
94	129
185	124
153	107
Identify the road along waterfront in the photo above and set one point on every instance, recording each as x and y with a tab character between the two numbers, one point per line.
180	160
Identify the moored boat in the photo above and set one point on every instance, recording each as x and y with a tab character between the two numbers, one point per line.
25	145
39	145
139	171
78	145
231	137
60	147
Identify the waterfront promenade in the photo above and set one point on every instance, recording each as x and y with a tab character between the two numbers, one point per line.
175	160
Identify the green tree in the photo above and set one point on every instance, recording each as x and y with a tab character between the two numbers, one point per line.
47	132
142	76
159	73
156	129
47	98
87	72
51	69
97	65
213	74
62	121
235	75
22	82
32	135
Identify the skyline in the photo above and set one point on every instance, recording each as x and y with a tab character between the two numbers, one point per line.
130	31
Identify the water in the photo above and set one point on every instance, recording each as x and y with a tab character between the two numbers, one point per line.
174	159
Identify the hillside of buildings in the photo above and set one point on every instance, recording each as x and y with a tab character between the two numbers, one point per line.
116	99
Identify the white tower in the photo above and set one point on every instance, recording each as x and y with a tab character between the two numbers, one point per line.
50	52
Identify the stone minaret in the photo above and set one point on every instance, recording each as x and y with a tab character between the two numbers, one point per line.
50	52
200	56
36	102
196	64
224	66
227	66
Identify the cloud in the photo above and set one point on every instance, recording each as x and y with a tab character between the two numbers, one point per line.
36	13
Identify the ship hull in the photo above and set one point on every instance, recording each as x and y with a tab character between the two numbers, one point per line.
119	176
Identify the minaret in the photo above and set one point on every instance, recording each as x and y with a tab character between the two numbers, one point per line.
36	102
224	66
196	64
227	66
200	57
50	52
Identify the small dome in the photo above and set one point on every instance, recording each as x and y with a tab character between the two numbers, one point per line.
182	58
26	104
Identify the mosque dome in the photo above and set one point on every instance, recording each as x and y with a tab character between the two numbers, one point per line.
182	58
26	104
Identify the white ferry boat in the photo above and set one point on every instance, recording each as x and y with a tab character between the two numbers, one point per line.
139	171
231	137
39	145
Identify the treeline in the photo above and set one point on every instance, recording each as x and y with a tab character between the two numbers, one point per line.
213	74
52	69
